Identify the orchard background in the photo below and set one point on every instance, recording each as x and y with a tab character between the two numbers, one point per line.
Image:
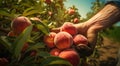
44	15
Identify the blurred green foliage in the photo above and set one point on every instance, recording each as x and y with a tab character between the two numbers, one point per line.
113	33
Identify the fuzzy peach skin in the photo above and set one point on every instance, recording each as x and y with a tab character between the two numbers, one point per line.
55	51
19	24
69	27
71	56
80	39
63	40
76	20
49	39
71	11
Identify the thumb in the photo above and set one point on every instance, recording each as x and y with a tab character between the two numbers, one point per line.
92	37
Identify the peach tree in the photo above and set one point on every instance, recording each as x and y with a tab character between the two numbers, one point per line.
23	27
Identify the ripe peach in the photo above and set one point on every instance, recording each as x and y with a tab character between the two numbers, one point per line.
71	56
19	24
84	50
69	27
71	11
48	1
76	20
49	39
80	39
63	40
55	52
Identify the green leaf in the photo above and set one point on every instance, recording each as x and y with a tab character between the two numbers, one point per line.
27	10
30	12
5	43
52	60
36	46
113	34
43	27
4	13
43	54
20	40
38	8
28	60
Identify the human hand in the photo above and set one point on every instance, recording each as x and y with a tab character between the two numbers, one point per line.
88	31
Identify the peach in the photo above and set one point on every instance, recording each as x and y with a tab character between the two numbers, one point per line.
55	51
71	56
76	20
84	50
63	40
71	11
49	39
19	24
80	39
69	27
48	1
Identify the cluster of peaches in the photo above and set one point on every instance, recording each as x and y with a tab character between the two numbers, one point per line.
61	43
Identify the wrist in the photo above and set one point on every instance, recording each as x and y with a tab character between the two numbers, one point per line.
109	15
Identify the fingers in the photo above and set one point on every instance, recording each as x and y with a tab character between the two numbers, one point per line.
83	46
87	50
92	37
82	28
84	50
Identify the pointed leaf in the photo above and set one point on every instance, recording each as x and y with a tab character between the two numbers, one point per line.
5	43
36	46
31	12
43	54
54	61
20	40
28	9
28	59
43	27
5	13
